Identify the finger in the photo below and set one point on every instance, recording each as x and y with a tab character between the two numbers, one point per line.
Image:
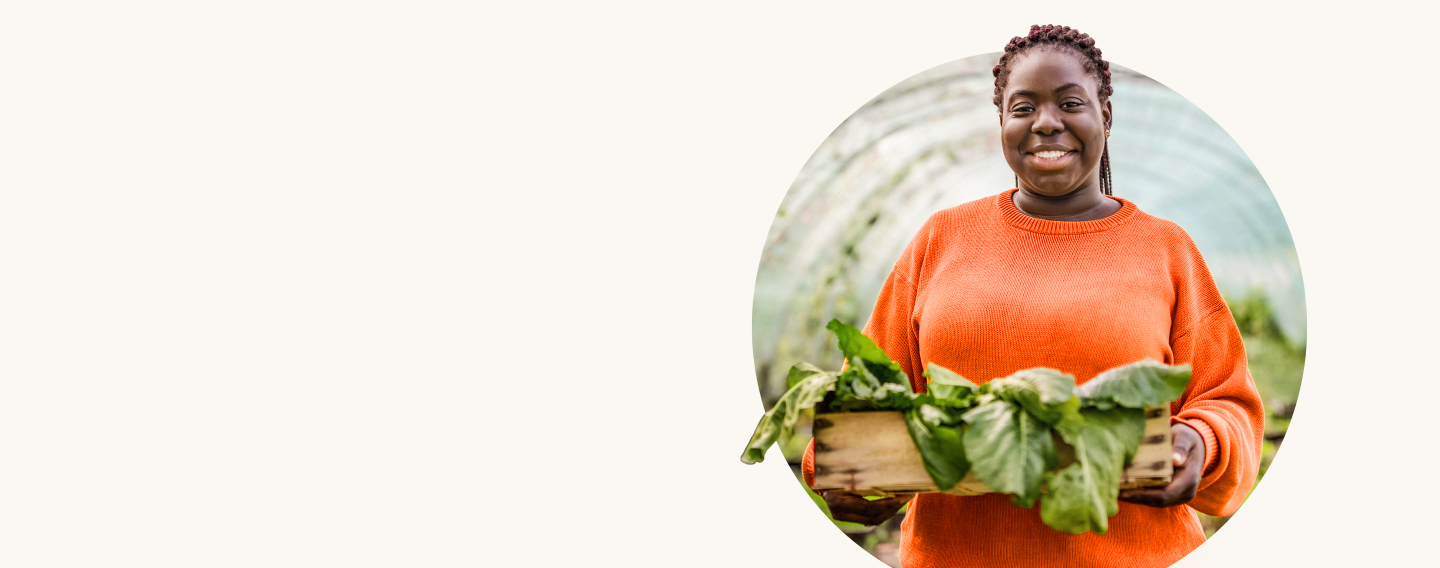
1161	497
1184	484
1179	490
840	502
1183	444
863	515
848	518
856	509
855	502
1150	497
888	506
857	518
1179	493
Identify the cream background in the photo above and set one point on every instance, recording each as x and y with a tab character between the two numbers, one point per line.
353	284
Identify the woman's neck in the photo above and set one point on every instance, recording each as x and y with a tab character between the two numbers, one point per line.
1086	204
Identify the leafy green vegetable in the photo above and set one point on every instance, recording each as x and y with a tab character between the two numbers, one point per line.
949	388
1009	449
781	419
894	397
1046	394
799	372
882	373
1137	385
1072	504
875	375
872	381
934	432
853	343
860	389
1082	497
1005	430
1043	386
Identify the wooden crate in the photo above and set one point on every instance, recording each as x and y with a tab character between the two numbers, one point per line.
870	453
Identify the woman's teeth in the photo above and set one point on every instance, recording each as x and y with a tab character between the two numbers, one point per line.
1050	154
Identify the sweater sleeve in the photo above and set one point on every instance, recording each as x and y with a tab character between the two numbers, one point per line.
1222	404
892	327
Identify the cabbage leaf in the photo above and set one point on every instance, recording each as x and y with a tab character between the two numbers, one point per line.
1009	449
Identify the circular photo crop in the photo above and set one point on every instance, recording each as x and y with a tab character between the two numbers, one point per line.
983	333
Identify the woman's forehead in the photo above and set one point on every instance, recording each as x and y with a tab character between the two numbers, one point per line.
1047	69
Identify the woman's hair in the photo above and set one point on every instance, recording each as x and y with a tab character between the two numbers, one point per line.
1061	37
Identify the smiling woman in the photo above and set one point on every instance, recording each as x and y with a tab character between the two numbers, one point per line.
1055	121
1057	273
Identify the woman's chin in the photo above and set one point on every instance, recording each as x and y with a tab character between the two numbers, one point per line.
1049	189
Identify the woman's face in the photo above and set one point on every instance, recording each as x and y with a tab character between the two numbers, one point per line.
1052	123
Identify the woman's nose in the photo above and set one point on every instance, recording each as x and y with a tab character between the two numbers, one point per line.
1047	121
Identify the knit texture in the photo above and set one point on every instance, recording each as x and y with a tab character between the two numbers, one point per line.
985	290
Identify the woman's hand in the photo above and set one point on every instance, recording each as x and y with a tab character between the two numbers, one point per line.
853	508
1189	459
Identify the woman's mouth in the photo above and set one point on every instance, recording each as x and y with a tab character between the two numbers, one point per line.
1050	159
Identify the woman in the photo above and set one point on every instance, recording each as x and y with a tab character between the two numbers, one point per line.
1056	273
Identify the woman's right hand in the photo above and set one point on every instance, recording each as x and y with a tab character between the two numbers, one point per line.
849	507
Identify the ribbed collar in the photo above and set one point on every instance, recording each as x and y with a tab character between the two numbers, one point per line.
1005	203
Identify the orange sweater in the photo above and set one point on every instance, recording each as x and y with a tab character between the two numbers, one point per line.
985	290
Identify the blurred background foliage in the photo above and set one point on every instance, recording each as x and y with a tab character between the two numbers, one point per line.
932	142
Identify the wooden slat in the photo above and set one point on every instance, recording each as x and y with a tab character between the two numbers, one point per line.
1152	466
867	453
870	453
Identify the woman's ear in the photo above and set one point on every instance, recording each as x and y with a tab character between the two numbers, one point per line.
1105	112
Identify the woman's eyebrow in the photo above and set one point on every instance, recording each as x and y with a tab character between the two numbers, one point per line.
1058	90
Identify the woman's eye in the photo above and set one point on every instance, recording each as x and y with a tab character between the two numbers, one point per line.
1069	104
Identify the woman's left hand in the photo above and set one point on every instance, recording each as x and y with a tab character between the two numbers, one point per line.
1189	459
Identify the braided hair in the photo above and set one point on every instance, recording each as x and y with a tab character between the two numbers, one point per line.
1061	37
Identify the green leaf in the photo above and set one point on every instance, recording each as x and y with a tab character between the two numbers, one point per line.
799	372
862	382
1143	384
1082	497
894	397
1125	425
883	372
876	375
1046	394
1008	449
1046	386
780	420
935	433
847	395
855	344
945	384
1071	504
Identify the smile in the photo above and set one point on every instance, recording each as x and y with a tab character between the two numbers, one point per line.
1051	159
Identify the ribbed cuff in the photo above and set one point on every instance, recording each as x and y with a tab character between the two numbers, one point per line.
1208	435
807	465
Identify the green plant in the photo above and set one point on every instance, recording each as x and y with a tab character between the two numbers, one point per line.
1002	429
